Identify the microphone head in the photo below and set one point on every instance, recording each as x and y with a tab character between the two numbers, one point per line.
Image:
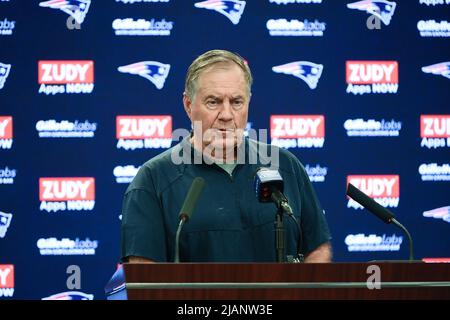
370	204
267	180
191	199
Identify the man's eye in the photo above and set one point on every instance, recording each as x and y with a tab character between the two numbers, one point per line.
237	103
212	103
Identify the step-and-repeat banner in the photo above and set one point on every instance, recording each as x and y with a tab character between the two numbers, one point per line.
89	90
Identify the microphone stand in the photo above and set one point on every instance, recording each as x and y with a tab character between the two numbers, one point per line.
398	224
177	240
279	234
282	207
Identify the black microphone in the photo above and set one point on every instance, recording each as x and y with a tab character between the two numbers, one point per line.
378	210
186	210
269	188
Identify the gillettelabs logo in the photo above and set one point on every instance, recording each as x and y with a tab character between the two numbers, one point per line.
125	174
434	172
7	175
232	9
439	213
4	72
362	243
155	72
5	221
142	27
66	247
307	71
432	28
384	10
6	27
372	128
295	28
316	173
77	9
65	129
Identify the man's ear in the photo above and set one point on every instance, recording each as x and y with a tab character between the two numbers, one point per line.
187	104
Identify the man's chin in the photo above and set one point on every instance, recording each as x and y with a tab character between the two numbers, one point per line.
221	146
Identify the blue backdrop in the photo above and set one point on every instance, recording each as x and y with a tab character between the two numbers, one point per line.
393	145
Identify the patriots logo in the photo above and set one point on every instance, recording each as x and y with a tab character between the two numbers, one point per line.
154	71
4	72
70	295
75	8
384	10
442	69
439	213
232	9
307	71
5	220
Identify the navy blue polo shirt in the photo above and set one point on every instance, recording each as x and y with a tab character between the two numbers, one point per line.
229	224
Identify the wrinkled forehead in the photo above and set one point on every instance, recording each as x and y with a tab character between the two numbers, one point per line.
220	66
222	76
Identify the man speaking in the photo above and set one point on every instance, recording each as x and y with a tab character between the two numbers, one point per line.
229	222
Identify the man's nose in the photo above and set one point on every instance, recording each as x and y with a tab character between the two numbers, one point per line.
226	113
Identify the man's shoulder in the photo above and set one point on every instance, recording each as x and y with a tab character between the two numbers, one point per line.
161	161
156	173
286	159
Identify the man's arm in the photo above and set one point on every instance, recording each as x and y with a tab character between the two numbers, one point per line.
134	259
321	254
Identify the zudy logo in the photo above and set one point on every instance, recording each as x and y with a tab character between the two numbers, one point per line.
65	76
435	130
364	77
385	189
138	132
297	131
60	194
6	132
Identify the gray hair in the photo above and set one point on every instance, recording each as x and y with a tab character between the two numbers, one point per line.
209	59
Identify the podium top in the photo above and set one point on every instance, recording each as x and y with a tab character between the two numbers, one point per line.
265	280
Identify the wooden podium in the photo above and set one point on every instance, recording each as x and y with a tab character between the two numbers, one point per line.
279	281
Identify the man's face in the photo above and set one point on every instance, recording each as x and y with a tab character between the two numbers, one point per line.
221	106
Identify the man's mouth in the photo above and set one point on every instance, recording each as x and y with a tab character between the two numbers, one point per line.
225	130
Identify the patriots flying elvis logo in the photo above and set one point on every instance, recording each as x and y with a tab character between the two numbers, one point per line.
232	9
307	71
5	220
154	71
4	72
384	10
75	8
70	295
442	69
439	213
